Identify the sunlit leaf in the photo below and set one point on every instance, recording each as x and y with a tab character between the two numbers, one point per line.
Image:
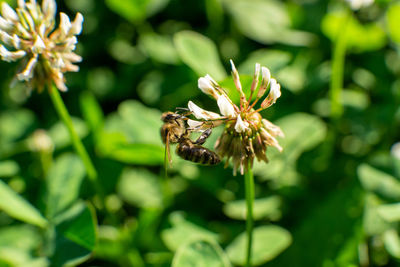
390	212
140	188
159	47
392	17
63	183
183	231
17	207
75	235
92	112
392	242
199	53
24	237
14	124
200	253
60	135
268	242
302	132
373	222
273	59
378	182
263	208
136	10
266	21
360	37
8	168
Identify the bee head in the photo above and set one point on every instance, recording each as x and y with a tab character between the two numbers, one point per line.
170	116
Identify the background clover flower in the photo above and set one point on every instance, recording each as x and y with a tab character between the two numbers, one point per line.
247	135
28	33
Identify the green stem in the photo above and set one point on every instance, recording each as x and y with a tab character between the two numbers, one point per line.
338	60
76	141
249	187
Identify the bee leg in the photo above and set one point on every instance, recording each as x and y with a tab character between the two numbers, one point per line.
202	138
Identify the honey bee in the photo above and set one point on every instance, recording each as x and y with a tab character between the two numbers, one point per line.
175	131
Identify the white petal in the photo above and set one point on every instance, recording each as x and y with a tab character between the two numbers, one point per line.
76	27
49	8
16	41
266	76
38	46
207	86
225	106
240	126
275	90
11	56
27	74
70	43
65	23
8	13
202	114
271	140
6	38
21	3
236	78
5	25
195	125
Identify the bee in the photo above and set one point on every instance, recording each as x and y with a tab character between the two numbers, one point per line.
175	131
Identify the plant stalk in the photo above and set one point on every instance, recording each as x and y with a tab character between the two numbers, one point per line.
338	61
76	141
249	188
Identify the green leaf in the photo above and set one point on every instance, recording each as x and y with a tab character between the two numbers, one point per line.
200	253
159	47
24	237
140	123
140	154
392	18
141	188
75	235
360	37
8	168
390	212
266	21
373	222
199	53
302	132
392	242
17	207
273	59
268	242
60	135
63	183
263	208
14	124
136	10
183	231
378	182
92	112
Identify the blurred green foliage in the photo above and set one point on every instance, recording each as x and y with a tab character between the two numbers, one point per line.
331	198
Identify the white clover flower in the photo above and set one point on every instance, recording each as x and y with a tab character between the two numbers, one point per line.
247	135
29	34
358	4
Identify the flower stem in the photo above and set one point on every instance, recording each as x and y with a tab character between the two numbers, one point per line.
249	187
76	141
338	60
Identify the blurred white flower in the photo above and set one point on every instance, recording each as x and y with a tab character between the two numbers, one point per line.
29	34
358	4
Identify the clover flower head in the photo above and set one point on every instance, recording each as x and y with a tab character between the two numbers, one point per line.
358	4
28	33
247	135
